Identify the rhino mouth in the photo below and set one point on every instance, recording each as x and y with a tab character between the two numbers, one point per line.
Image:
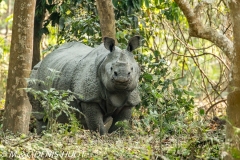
121	84
121	80
121	87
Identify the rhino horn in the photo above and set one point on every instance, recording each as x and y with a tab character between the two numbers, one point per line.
122	57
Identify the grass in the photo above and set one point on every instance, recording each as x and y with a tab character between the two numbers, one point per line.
80	145
191	142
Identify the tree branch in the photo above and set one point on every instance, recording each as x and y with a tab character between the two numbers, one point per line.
198	29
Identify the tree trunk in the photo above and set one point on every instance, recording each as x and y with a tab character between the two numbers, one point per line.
107	18
233	108
38	24
17	106
8	13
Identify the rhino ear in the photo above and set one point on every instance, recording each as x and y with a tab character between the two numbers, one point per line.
109	43
133	43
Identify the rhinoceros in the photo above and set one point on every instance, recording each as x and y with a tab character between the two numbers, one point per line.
105	79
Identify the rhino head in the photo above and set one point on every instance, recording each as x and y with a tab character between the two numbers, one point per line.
119	71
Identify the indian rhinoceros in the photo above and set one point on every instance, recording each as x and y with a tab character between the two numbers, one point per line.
104	78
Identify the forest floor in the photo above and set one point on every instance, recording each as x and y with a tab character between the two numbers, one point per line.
194	141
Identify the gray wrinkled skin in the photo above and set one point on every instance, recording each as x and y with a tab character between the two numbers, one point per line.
105	78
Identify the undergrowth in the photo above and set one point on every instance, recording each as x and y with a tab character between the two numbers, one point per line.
192	141
53	103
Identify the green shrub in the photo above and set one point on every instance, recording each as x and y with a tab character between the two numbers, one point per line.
54	102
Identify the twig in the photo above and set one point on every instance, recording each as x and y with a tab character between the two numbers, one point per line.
24	141
223	100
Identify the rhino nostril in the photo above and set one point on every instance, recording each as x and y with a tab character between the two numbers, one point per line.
115	73
129	73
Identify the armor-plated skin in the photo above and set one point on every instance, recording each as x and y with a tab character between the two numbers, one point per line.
105	78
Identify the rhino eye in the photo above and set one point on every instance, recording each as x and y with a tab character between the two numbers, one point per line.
111	68
132	68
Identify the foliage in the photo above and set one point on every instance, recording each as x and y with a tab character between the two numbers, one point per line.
5	24
181	76
79	21
6	16
54	102
164	99
76	20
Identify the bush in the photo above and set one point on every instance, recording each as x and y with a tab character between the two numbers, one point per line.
54	102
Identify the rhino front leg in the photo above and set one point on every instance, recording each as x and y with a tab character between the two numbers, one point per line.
123	114
93	117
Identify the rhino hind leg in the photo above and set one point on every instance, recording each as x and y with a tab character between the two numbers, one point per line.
40	126
93	117
37	112
124	114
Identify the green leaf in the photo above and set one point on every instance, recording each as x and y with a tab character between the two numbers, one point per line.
147	76
147	3
9	18
201	112
115	3
156	53
189	93
235	152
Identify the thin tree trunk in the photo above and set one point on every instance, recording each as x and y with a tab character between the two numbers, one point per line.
38	24
233	108
107	18
8	13
17	106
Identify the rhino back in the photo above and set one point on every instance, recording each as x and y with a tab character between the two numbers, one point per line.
64	59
